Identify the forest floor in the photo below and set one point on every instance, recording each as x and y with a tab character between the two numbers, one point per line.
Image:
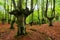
34	32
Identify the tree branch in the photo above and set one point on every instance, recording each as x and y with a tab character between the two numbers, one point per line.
13	1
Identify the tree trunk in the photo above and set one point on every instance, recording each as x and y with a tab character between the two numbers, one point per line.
12	24
50	24
3	21
21	25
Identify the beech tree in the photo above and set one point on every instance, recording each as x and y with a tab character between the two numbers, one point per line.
53	12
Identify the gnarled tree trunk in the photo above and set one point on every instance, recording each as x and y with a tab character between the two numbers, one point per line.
21	25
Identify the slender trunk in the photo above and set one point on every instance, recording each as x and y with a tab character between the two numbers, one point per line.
12	23
9	19
42	8
38	12
19	4
13	1
3	21
12	27
31	9
25	20
50	24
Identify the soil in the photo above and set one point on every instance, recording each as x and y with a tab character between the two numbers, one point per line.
34	32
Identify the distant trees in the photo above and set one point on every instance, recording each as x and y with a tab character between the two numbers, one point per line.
53	12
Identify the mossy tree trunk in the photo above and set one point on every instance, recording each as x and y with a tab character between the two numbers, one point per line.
3	21
21	15
50	24
12	23
21	25
42	11
53	13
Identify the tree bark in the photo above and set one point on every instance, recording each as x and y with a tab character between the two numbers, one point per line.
12	24
50	24
21	25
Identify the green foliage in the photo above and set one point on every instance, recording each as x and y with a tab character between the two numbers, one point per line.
35	14
35	17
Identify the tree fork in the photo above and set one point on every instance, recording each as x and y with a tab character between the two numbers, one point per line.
53	11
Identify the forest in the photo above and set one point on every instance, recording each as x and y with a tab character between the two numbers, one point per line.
29	19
